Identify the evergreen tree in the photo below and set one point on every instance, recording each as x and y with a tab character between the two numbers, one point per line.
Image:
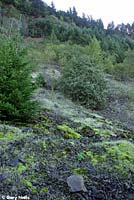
15	81
94	51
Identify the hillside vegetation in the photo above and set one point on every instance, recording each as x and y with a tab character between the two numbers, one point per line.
66	105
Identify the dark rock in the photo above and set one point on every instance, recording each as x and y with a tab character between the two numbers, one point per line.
13	162
87	132
76	183
84	140
22	160
34	197
27	130
131	196
3	176
97	194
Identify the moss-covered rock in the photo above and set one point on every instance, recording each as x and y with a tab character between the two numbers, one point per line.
69	133
8	132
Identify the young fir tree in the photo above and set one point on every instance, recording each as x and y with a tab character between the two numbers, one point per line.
15	80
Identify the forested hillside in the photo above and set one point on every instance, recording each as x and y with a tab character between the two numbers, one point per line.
43	21
66	104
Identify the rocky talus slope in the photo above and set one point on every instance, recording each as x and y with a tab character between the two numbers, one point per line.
65	140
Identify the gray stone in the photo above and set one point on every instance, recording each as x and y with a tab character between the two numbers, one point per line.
97	194
76	183
3	176
13	162
131	196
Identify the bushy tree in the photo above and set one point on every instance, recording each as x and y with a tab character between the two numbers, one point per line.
83	81
15	80
125	70
94	50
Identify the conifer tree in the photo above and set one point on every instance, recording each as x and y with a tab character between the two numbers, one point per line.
15	80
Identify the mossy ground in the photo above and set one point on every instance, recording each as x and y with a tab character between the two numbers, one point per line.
65	139
38	162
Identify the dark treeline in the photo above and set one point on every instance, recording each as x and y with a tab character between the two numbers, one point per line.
38	8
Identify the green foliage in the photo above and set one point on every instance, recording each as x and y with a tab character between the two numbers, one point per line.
39	81
94	50
69	133
21	167
15	81
7	133
65	52
108	63
58	30
41	27
83	81
80	171
118	156
103	133
125	70
69	26
122	155
28	184
44	190
80	156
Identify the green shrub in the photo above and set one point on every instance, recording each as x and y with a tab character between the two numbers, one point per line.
125	70
15	80
108	63
65	52
83	81
94	51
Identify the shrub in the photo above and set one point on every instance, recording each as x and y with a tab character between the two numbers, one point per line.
65	52
15	81
125	70
83	81
94	50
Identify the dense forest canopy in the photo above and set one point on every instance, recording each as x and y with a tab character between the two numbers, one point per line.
39	8
45	21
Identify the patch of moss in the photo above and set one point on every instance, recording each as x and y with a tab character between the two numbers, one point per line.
105	121
88	122
122	154
117	155
69	133
89	155
42	127
21	167
30	186
93	157
27	183
29	158
43	145
80	171
104	133
44	190
9	134
72	143
81	156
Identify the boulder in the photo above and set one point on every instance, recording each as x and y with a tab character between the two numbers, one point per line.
76	183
